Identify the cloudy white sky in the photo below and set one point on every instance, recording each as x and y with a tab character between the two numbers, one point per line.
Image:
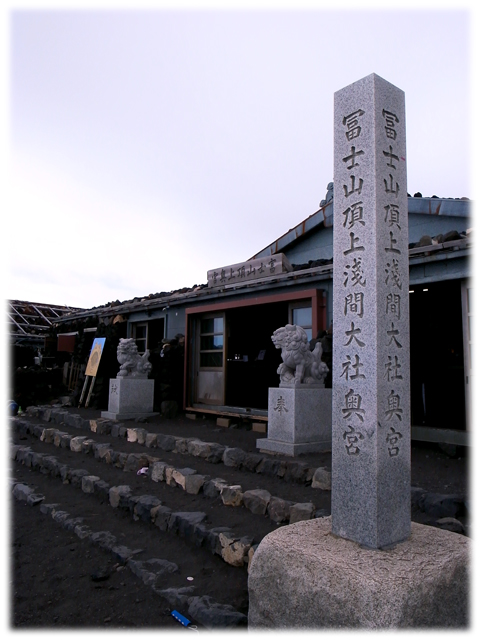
148	146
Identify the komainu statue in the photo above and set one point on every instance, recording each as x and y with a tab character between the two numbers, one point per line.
132	364
300	365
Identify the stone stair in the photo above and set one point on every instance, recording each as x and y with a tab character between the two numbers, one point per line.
64	466
178	498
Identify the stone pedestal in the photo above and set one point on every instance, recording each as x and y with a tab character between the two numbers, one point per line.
303	577
130	398
299	420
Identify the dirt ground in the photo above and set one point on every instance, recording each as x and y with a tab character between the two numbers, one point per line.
60	581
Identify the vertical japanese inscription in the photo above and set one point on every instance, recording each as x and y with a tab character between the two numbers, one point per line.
358	216
395	289
356	221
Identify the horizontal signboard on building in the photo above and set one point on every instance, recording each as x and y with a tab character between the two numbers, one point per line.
250	270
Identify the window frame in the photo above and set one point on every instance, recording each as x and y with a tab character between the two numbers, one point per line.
302	304
134	327
207	334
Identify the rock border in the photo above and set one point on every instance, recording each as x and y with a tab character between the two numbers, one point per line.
278	510
288	470
211	614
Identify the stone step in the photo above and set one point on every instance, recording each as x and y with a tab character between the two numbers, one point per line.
433	505
147	507
213	452
163	576
231	493
234	547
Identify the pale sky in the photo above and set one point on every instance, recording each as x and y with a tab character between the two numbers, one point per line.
146	147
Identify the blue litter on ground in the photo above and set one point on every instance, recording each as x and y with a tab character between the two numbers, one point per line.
180	618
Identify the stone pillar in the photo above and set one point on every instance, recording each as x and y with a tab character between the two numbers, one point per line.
370	377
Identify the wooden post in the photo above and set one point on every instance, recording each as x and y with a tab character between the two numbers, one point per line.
83	391
90	392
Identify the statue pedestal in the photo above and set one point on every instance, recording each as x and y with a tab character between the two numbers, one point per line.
299	420
130	398
302	577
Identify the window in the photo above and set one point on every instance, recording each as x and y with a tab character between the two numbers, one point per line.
211	342
301	314
140	334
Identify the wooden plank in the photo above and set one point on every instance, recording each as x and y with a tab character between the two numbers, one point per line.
227	412
445	436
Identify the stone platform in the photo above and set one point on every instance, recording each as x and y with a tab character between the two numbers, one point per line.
303	577
130	398
299	420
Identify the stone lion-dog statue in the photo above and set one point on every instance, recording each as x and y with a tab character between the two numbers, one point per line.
300	365
133	365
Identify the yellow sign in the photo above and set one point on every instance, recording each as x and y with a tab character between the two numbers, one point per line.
95	355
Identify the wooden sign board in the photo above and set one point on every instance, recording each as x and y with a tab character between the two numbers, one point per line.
95	355
250	270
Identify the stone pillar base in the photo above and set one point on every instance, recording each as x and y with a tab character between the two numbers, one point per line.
130	398
110	415
267	445
299	420
303	577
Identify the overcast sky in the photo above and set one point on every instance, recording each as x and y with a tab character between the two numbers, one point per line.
148	146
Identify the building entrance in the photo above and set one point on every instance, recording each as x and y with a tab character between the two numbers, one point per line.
436	356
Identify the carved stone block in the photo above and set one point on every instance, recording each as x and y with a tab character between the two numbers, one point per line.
130	398
299	420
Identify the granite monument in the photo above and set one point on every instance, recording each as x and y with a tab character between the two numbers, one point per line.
131	392
300	409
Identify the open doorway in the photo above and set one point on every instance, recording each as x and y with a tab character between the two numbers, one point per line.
436	355
252	359
231	359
